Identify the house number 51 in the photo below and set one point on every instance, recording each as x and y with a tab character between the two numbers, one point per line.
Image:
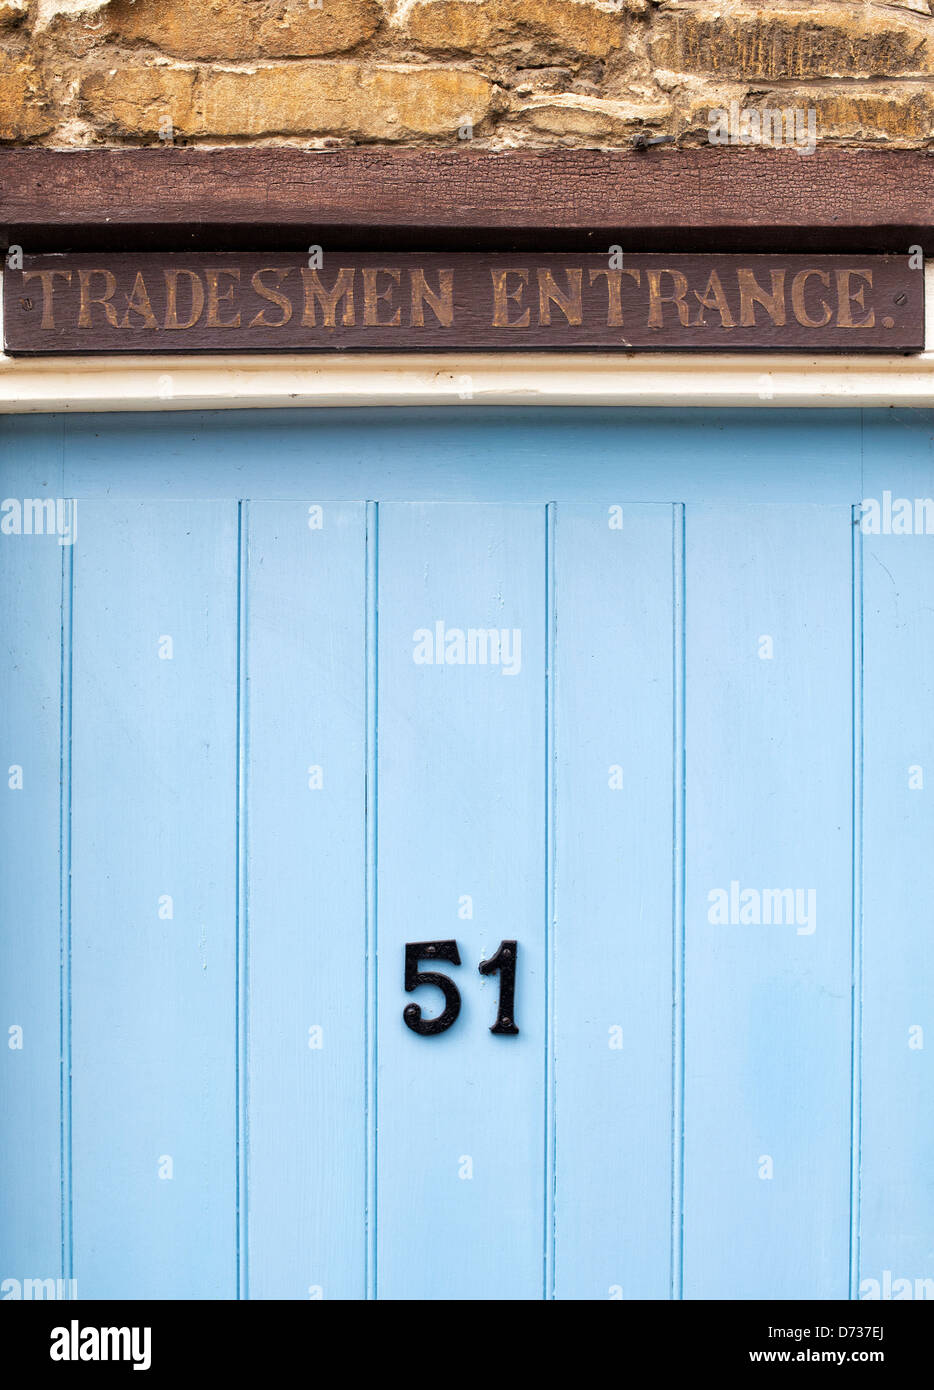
502	963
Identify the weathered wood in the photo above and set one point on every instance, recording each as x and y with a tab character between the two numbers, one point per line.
350	302
711	199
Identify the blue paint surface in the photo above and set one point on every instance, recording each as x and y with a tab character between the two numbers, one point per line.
635	689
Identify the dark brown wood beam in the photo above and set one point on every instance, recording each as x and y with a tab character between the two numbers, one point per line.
711	199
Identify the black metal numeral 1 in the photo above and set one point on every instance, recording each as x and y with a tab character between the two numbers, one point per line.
416	951
505	962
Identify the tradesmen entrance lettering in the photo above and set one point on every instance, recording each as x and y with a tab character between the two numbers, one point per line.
162	303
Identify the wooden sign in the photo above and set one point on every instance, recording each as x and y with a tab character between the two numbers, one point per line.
154	303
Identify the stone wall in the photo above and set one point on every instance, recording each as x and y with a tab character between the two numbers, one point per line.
501	73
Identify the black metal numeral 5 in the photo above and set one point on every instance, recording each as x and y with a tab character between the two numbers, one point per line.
416	951
505	962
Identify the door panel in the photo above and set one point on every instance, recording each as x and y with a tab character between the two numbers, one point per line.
220	849
34	1221
896	1119
618	640
153	902
303	842
534	454
461	854
768	905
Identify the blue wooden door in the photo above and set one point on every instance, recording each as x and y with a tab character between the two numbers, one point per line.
646	693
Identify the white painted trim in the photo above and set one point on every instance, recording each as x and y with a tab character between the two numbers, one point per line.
36	385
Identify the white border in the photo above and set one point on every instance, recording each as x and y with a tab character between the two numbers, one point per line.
38	385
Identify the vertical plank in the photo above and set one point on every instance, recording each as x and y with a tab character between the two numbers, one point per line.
614	925
33	1228
305	836
154	833
897	1128
461	856
371	888
769	806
